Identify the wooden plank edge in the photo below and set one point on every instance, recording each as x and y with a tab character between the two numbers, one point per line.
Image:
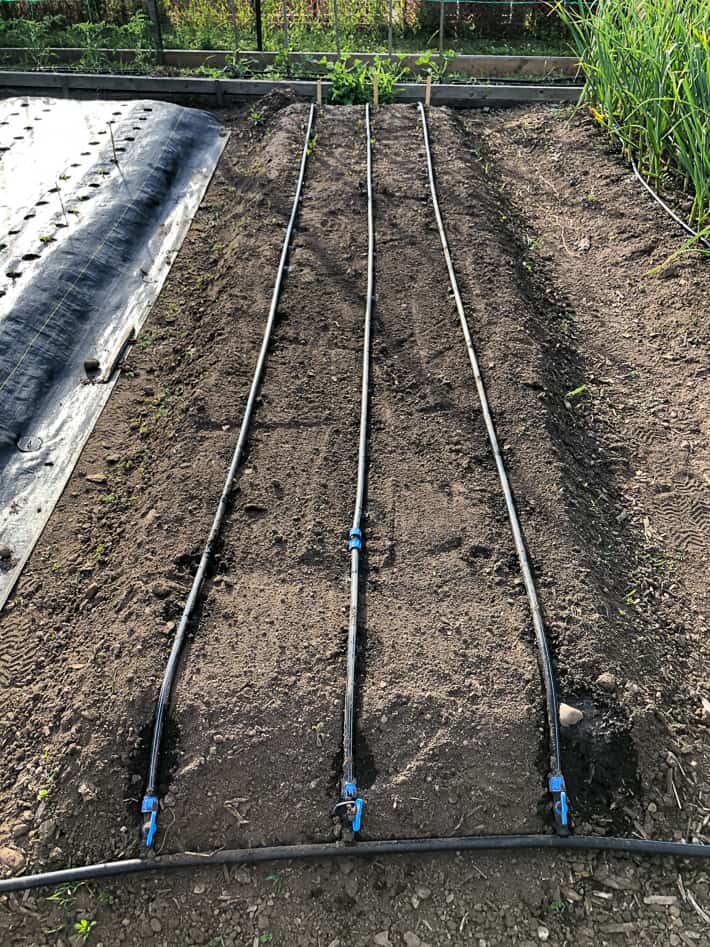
441	94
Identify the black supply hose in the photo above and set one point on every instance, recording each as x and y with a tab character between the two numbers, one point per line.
418	846
151	801
351	803
556	783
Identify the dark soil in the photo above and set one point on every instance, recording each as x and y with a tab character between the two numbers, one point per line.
595	367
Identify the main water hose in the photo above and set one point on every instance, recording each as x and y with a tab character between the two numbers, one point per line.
151	801
418	846
350	803
556	782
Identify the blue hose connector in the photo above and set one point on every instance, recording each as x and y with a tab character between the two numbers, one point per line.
355	538
150	807
355	805
560	803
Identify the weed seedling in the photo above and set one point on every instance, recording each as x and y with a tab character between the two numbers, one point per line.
256	117
84	927
65	896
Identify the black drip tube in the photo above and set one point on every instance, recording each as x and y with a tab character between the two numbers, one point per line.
326	850
351	803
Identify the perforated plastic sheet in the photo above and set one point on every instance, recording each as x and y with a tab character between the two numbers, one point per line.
95	200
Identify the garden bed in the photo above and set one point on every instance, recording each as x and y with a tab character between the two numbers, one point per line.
592	354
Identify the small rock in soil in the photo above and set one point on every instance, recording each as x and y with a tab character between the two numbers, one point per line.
5	552
87	792
606	681
706	702
570	716
382	939
11	858
96	478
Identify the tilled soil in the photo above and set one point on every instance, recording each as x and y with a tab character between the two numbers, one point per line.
594	365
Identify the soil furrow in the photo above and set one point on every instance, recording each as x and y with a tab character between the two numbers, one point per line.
449	710
258	708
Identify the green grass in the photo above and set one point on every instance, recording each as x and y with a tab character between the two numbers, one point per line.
648	82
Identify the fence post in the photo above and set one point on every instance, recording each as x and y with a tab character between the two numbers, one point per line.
259	29
336	21
389	27
154	15
235	28
441	28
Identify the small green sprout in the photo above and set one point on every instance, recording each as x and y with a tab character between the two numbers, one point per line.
84	927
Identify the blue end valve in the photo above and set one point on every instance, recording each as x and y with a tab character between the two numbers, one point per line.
560	803
352	805
150	808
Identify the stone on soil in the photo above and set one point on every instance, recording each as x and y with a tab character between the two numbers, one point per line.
569	716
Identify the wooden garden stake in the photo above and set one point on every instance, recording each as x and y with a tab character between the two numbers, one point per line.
441	28
427	91
375	91
389	28
319	93
113	144
61	204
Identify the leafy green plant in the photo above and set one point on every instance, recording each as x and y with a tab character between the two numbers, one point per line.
84	927
36	40
352	81
436	66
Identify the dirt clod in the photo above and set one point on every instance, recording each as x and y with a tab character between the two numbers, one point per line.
606	681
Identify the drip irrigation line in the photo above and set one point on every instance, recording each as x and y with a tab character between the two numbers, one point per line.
669	210
556	782
151	801
351	803
325	850
654	194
